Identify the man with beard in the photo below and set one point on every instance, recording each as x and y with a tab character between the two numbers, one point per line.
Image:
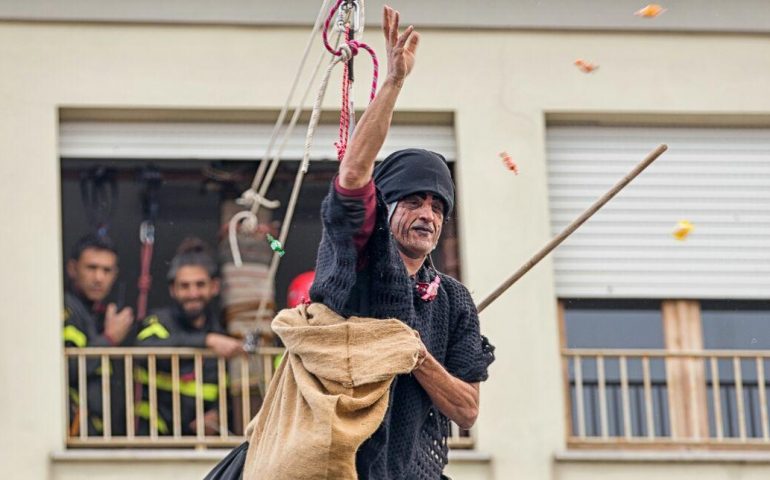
92	269
191	321
380	226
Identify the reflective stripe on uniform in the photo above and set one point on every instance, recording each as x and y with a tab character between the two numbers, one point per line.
154	328
187	388
72	334
142	410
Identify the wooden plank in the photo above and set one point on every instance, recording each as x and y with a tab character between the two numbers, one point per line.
106	403
581	413
200	424
603	423
717	396
221	377
739	398
685	374
648	405
762	397
566	390
245	392
176	410
128	361
82	397
625	397
153	394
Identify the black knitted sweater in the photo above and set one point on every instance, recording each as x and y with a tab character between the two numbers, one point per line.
411	441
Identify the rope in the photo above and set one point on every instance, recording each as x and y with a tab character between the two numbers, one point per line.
342	144
353	46
258	177
257	199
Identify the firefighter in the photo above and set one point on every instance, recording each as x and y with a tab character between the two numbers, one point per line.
190	321
92	269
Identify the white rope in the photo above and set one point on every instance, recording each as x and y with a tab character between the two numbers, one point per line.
250	223
252	199
282	115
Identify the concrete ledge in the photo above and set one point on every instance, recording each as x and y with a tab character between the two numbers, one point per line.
469	456
165	455
115	455
661	456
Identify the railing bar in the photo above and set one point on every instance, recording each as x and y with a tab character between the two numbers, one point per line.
602	396
581	415
659	353
176	412
245	392
82	397
648	397
67	404
153	394
221	380
200	423
694	410
267	369
106	400
624	394
717	395
128	362
739	398
762	397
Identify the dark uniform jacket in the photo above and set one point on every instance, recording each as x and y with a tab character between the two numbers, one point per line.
168	327
84	327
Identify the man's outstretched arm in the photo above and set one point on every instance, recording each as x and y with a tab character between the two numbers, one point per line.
357	165
456	399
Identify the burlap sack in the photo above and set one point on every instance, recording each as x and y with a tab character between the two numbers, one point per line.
329	394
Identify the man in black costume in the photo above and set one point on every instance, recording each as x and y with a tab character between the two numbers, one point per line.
380	226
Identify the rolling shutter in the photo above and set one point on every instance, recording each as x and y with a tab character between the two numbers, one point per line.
226	141
716	178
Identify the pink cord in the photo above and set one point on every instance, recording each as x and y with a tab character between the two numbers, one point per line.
353	46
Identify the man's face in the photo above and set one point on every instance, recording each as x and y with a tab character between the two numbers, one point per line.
94	273
193	289
416	224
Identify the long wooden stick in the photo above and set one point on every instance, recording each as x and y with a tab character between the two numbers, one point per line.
555	241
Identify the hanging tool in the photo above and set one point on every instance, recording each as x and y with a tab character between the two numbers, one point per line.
152	180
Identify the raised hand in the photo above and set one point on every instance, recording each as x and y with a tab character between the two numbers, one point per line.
400	49
224	346
117	324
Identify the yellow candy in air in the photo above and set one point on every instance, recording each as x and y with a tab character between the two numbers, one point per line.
650	11
683	228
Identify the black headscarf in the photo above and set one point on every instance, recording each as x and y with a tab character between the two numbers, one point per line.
415	170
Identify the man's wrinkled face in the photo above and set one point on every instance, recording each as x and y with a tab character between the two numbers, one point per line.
94	273
193	289
416	224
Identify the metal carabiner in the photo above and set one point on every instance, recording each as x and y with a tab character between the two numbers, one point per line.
147	232
349	14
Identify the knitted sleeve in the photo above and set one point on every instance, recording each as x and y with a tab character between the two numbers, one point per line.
469	353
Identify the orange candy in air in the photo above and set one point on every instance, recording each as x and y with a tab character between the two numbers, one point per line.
650	11
585	66
509	163
683	228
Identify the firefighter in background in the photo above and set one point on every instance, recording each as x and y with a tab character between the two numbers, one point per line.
92	269
191	321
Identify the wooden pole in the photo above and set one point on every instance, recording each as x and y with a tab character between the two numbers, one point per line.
555	241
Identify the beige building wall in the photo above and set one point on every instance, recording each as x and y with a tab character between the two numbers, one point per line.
499	85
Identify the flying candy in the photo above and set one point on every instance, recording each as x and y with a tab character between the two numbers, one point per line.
683	228
585	66
650	11
509	163
275	245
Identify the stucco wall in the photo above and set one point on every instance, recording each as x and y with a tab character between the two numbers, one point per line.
498	84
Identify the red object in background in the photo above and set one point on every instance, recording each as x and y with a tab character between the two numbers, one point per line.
299	289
